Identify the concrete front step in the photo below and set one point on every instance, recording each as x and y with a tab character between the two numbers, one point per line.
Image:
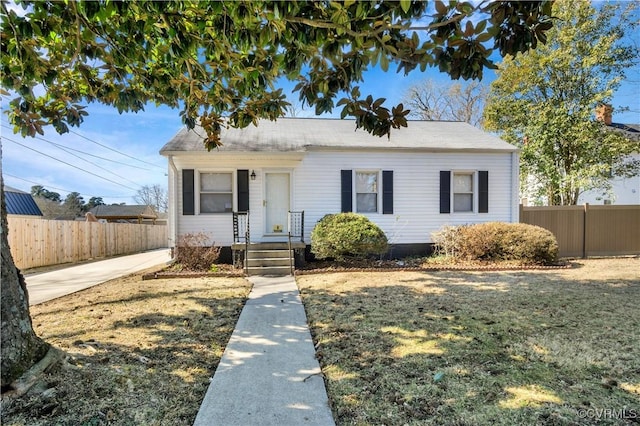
268	254
269	246
278	271
269	261
273	258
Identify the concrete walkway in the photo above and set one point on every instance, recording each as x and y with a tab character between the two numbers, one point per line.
51	285
268	374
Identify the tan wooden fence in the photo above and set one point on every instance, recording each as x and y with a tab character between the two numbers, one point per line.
41	242
584	231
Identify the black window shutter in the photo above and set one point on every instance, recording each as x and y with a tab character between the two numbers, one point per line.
387	192
445	191
243	190
188	205
483	192
346	179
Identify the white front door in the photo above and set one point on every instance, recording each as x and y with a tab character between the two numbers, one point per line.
277	199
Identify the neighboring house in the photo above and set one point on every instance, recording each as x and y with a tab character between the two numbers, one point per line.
425	176
624	190
125	213
20	203
160	220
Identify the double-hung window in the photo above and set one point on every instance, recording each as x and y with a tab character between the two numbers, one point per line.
216	192
373	191
463	191
367	192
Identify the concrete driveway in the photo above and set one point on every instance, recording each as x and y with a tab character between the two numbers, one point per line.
51	285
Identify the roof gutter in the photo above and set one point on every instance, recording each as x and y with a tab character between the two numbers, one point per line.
412	149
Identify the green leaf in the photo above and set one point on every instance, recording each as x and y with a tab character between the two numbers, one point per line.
405	5
384	62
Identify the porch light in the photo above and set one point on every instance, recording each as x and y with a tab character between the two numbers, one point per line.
253	175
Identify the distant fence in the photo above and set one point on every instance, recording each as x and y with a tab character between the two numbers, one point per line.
584	231
41	242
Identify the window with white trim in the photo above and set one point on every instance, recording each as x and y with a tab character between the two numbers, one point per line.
216	192
463	192
367	192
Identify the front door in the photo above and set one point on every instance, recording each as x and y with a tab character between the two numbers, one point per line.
277	199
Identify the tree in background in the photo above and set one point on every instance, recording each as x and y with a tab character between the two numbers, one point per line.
40	191
225	58
430	100
544	102
48	202
52	207
93	202
74	204
155	196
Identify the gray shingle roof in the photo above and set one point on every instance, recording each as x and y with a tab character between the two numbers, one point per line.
118	211
632	131
20	202
305	134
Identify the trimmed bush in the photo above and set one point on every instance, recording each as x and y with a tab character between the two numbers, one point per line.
494	241
347	235
193	254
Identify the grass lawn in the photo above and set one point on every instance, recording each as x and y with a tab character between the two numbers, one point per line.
480	348
141	352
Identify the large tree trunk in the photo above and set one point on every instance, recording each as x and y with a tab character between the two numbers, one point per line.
21	349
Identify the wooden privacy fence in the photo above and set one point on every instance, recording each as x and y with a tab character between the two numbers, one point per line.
41	242
584	231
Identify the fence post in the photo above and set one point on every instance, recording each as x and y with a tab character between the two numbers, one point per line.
520	212
585	229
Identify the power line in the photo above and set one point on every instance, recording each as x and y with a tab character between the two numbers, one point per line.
62	189
63	148
83	152
115	150
69	164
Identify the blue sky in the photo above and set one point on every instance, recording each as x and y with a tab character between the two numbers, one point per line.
133	140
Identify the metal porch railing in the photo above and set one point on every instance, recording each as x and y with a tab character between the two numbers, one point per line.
241	232
296	231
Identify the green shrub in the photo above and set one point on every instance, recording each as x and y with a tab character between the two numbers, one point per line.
343	235
494	241
193	254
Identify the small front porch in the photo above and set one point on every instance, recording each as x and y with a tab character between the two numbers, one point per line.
274	254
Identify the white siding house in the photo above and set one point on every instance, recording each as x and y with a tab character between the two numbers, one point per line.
623	190
425	176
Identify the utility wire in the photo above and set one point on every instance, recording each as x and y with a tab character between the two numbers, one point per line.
83	152
69	164
62	189
63	148
115	150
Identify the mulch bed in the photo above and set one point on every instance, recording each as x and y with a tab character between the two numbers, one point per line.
323	267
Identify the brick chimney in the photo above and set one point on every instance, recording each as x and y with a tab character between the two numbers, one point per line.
603	113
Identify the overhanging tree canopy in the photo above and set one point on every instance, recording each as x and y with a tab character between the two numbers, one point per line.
215	59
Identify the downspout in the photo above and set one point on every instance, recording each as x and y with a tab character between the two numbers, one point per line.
173	230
